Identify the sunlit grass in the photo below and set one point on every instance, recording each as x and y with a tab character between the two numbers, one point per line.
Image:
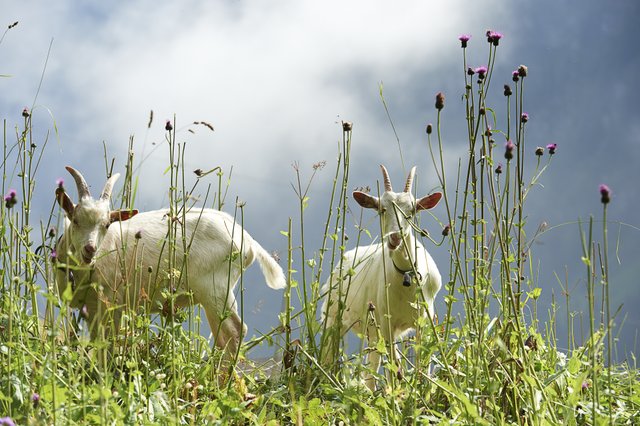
497	362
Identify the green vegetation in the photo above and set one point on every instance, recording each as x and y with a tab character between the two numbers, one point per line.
497	362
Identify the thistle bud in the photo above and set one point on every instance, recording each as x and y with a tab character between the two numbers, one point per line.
429	128
347	126
507	90
439	101
605	193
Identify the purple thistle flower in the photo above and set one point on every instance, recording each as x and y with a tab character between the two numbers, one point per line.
35	399
84	312
25	112
464	38
552	148
10	199
481	71
60	183
6	421
515	76
524	117
494	37
605	193
508	150
54	255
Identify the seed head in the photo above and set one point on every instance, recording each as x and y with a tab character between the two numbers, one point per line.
445	230
168	126
52	232
464	39
523	71
539	151
439	101
499	169
138	234
470	71
605	193
507	90
347	126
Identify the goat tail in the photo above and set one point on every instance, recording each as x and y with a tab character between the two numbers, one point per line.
273	273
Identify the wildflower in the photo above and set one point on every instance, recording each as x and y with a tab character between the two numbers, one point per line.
507	90
347	126
60	183
439	101
493	37
10	199
168	126
429	128
539	151
54	255
84	312
445	230
524	117
25	112
508	152
585	386
523	71
499	169
552	148
6	421
464	38
35	399
515	76
605	192
481	71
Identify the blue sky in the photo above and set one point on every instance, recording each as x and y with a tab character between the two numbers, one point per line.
276	78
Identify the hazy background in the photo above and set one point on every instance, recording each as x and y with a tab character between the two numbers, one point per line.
276	78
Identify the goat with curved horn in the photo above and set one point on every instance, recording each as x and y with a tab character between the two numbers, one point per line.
394	281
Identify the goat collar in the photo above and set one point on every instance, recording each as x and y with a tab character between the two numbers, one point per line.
407	275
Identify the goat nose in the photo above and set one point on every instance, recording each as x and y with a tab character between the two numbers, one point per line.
90	249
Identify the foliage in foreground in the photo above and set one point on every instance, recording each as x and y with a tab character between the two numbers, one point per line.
490	364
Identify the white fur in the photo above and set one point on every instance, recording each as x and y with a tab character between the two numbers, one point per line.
130	270
368	278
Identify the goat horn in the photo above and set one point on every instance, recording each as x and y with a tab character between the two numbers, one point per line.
108	187
83	188
387	181
412	173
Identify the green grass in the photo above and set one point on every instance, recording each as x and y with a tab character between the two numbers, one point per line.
497	361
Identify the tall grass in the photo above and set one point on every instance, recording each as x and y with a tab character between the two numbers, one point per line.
494	362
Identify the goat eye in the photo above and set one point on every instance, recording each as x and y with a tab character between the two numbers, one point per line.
75	221
106	226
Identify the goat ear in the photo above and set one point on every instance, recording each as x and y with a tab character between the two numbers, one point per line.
365	200
65	202
121	215
428	202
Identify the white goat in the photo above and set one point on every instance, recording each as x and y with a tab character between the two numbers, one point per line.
129	262
381	279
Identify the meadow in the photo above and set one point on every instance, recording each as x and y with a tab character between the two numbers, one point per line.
497	360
